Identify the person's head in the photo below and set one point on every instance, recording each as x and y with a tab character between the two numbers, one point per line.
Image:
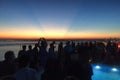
36	45
9	55
61	43
68	42
51	45
53	42
24	47
30	47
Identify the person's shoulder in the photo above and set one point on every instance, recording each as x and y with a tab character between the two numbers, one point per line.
20	51
31	70
24	70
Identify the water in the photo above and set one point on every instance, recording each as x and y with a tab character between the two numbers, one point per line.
13	46
106	72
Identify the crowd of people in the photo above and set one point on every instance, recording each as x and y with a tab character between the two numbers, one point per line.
72	61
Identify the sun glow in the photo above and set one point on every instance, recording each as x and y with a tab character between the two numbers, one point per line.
47	31
54	31
21	33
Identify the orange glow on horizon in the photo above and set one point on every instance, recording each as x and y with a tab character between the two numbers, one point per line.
49	36
50	33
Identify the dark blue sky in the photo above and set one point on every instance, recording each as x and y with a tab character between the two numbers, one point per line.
80	18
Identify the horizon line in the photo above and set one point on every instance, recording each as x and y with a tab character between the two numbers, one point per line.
57	38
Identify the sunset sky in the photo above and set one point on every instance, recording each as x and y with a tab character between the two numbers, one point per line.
59	19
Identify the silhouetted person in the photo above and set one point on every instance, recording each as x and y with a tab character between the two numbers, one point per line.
24	72
91	49
51	51
36	52
109	51
43	42
8	66
68	51
77	47
114	52
53	42
79	68
60	52
100	52
53	70
43	51
30	53
94	51
36	57
87	71
22	52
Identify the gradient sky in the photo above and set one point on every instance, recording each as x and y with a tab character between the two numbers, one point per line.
60	18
